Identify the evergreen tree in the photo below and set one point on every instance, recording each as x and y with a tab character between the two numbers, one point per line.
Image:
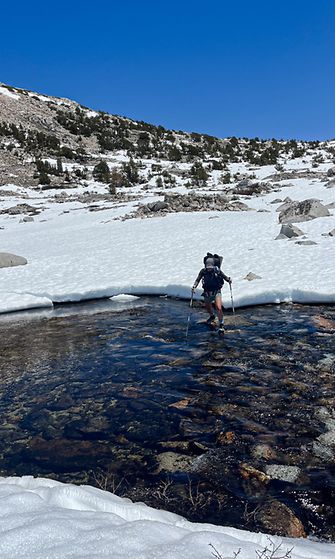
101	172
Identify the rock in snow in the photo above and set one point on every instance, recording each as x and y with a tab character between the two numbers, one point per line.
8	260
303	211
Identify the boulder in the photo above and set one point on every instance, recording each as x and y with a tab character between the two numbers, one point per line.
157	206
290	474
8	260
251	276
303	211
288	230
331	172
276	518
286	203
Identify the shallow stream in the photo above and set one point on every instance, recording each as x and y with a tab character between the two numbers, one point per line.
210	427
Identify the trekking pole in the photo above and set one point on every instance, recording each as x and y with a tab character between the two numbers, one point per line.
232	303
189	314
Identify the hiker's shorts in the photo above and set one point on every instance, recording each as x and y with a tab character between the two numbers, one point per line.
210	296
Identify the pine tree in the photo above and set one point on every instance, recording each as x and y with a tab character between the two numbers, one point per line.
101	172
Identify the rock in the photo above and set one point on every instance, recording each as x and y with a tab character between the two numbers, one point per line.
276	518
306	243
21	209
276	201
8	260
286	203
303	211
26	219
157	206
263	451
251	276
288	230
189	203
332	233
331	172
248	187
290	474
249	472
173	462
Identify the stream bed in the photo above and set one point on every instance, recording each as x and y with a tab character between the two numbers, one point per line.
234	430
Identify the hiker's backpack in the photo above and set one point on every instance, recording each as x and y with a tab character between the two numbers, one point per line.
212	281
217	259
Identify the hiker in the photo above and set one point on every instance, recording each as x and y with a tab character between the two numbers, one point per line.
212	281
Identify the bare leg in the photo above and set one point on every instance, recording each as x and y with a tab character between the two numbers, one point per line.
218	305
209	307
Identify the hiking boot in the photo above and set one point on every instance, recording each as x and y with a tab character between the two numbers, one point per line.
221	328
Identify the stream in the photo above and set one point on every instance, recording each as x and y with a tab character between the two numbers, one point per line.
214	428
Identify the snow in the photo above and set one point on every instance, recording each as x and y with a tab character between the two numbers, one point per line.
44	518
75	254
5	91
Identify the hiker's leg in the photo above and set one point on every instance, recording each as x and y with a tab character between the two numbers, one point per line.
209	307
218	305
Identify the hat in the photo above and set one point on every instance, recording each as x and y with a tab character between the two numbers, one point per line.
209	263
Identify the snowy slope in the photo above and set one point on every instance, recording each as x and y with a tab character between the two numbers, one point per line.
74	254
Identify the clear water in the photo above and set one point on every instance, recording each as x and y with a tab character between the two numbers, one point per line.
115	395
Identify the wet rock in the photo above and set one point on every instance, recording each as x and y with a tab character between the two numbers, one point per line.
324	323
180	404
8	260
276	518
173	462
227	437
305	243
263	452
290	474
249	472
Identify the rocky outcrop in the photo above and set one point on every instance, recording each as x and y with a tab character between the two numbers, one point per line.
249	187
303	211
174	203
8	260
21	209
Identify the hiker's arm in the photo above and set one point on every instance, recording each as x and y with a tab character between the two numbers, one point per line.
226	278
196	283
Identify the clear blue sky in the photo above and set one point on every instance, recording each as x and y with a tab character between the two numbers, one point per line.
243	68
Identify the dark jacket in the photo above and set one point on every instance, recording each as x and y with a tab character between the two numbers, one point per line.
211	280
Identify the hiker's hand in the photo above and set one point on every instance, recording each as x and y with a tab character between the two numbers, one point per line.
193	288
230	281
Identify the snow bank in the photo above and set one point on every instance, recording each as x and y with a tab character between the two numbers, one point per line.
43	518
74	254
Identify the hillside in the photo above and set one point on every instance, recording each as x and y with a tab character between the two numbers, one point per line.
56	142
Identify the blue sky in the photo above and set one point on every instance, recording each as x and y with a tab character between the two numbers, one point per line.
247	68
